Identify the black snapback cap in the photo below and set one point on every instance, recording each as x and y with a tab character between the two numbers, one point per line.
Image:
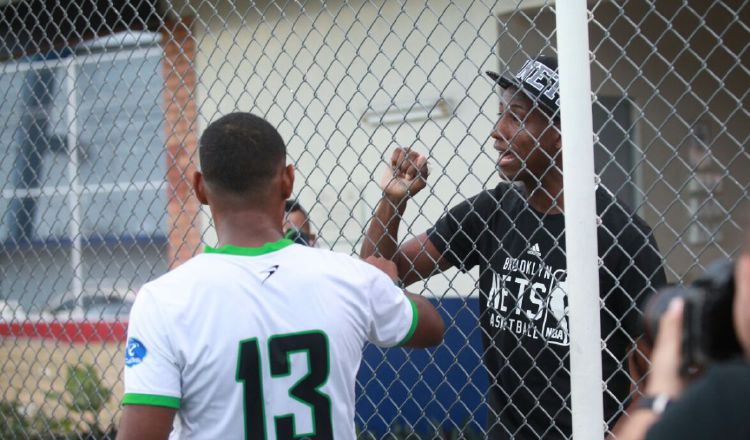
539	81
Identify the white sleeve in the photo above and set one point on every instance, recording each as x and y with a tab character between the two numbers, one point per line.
152	373
393	315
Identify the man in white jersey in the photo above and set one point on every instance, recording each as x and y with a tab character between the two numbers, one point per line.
259	338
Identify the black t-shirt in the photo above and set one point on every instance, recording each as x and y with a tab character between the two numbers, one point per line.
523	303
717	406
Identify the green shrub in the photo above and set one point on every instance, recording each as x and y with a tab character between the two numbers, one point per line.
13	423
84	394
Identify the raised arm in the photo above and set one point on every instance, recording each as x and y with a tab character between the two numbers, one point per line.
417	258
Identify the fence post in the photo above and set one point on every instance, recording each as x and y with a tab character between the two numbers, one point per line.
580	220
74	175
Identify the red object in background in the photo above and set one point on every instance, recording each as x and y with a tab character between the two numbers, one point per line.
70	331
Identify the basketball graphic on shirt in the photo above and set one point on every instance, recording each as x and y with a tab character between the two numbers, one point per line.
556	329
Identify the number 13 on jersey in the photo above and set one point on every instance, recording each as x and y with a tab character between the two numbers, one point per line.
314	344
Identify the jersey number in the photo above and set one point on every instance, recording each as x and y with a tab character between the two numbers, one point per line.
306	390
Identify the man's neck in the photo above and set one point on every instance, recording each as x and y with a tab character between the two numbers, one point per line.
546	195
247	228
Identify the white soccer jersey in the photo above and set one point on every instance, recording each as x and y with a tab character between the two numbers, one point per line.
261	343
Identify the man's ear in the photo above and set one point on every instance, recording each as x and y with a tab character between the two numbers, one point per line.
558	134
558	145
553	140
287	181
199	186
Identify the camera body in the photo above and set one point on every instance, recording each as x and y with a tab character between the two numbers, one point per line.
708	333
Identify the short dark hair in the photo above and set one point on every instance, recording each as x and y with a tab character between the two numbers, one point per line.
292	205
240	153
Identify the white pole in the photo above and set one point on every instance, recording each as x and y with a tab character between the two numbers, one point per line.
74	195
580	219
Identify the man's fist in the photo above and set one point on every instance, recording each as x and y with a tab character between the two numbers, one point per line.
405	176
387	266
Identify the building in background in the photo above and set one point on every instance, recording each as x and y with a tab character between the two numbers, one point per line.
84	194
99	130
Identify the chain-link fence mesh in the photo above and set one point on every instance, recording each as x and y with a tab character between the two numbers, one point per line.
102	107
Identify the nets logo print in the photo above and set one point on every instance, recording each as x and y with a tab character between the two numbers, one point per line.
530	300
135	351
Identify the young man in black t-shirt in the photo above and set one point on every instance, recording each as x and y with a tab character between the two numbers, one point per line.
515	234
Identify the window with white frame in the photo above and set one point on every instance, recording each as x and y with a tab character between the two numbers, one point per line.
83	172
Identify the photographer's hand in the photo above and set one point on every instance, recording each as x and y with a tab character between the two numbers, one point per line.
664	378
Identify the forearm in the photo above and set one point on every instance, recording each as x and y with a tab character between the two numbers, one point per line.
382	233
637	365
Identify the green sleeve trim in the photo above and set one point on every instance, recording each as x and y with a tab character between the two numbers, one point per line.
414	322
151	400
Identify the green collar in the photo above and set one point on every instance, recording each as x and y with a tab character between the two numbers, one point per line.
267	248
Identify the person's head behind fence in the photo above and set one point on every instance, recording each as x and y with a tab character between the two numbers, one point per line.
297	225
240	154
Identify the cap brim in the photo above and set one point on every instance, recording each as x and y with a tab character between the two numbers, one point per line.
503	81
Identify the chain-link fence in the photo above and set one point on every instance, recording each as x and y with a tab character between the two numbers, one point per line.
103	104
